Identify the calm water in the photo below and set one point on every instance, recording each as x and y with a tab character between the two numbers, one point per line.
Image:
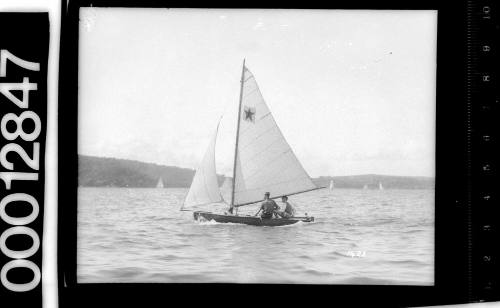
359	237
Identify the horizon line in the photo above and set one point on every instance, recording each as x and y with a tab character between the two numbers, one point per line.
225	176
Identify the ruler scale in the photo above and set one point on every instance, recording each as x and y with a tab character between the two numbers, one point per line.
482	118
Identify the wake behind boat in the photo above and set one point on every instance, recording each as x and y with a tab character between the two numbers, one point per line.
263	162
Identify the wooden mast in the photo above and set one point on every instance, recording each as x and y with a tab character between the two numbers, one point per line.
237	137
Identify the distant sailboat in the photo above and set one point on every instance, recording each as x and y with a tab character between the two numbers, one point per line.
160	183
332	186
263	161
365	187
380	187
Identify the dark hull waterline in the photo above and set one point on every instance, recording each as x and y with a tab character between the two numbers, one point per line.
249	220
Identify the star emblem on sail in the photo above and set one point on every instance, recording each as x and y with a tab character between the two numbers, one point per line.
249	114
263	161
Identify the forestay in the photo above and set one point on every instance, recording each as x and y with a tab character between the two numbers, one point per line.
264	160
204	187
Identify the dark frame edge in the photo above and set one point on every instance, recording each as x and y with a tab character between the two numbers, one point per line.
450	259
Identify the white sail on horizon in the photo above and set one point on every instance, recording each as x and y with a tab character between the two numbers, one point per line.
160	183
205	187
264	160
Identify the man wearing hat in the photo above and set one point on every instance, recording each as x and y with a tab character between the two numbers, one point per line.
268	207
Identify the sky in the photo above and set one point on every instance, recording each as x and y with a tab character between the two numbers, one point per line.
353	92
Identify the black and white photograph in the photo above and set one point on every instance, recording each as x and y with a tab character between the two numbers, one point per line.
280	146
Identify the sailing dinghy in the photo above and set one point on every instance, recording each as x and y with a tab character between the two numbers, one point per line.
263	162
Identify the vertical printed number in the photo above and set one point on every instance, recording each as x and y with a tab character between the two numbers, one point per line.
19	256
7	88
6	55
11	133
19	132
18	197
26	86
33	163
8	177
20	287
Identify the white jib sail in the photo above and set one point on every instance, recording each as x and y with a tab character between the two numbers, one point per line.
264	160
205	188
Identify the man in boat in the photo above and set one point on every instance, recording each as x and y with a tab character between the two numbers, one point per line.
268	207
289	210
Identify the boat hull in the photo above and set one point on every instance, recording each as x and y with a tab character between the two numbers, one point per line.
249	220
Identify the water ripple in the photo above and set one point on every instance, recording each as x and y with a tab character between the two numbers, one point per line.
358	237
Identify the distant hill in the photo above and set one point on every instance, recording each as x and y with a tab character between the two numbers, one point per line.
112	172
372	181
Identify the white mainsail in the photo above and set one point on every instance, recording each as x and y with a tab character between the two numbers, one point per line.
264	160
205	188
331	185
